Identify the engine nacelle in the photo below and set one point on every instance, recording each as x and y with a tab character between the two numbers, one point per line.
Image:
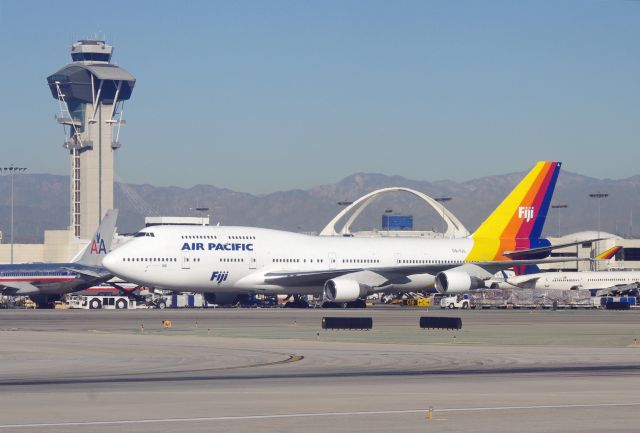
343	290
454	282
221	298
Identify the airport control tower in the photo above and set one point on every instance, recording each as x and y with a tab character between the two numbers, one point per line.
91	92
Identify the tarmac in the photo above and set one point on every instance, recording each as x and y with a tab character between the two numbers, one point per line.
276	370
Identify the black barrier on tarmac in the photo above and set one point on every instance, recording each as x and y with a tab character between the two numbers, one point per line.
441	322
617	306
347	323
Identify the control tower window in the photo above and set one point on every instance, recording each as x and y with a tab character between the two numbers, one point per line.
92	57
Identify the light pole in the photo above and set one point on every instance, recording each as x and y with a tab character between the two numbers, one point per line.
599	196
559	206
12	171
202	209
442	200
388	212
346	231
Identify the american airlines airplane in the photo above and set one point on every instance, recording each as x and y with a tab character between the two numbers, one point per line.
225	262
45	282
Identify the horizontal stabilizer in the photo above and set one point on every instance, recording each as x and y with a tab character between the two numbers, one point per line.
528	253
18	288
85	271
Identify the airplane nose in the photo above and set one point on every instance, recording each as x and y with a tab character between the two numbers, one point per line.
111	262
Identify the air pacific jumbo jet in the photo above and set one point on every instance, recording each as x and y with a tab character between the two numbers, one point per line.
45	282
224	262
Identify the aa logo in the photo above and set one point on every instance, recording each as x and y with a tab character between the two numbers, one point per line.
98	246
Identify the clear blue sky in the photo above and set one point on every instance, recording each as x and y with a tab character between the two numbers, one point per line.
259	96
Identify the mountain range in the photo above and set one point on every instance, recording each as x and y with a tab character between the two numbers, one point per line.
42	202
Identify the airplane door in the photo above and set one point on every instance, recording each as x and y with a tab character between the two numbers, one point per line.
251	257
185	262
332	260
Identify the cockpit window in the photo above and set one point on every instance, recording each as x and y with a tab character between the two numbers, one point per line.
143	234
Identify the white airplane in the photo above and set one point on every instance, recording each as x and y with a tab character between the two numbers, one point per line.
225	262
607	281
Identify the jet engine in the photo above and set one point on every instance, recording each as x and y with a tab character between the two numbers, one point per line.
343	290
452	282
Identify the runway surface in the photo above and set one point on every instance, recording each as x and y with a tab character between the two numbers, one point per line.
276	370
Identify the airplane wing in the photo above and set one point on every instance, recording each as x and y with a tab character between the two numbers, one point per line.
619	289
14	288
318	278
306	278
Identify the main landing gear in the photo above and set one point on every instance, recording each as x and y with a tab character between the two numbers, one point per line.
296	301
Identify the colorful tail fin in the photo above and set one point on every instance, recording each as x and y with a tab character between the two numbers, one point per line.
517	222
100	245
609	253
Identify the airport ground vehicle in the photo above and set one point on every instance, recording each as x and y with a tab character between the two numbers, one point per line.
459	301
103	302
631	300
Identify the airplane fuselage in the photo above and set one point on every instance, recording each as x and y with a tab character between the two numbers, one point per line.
236	259
576	280
46	278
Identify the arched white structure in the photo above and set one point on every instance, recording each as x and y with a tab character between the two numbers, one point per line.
455	229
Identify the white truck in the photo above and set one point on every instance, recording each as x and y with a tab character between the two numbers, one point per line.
457	301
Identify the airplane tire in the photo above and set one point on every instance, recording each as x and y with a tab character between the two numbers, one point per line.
296	304
358	303
329	304
121	304
95	304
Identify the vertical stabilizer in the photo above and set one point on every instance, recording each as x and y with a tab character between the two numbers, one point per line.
607	255
100	244
518	221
